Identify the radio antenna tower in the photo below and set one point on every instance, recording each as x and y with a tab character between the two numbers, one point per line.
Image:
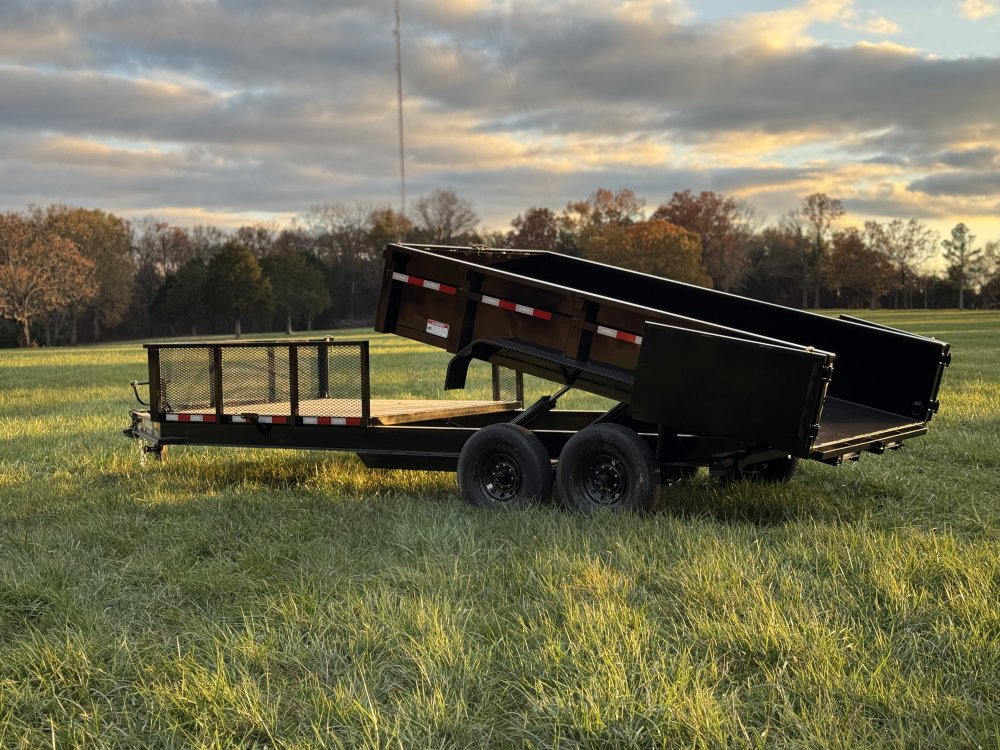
399	109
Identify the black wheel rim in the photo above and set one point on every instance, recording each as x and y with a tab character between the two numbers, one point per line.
605	481
500	477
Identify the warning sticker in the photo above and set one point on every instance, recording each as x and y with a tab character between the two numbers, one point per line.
437	328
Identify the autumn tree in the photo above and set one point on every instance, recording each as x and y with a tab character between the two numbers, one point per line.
581	221
236	285
964	260
858	274
104	239
40	273
725	226
535	229
386	225
819	213
654	247
603	206
442	217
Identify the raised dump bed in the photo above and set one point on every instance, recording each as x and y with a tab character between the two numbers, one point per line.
689	359
699	379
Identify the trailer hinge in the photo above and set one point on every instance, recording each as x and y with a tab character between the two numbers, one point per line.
933	405
814	431
826	373
946	359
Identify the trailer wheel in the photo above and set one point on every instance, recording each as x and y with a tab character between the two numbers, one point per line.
504	465
773	471
608	466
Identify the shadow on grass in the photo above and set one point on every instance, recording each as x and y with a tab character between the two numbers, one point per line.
330	476
762	504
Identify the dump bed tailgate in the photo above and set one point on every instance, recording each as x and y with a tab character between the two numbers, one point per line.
750	390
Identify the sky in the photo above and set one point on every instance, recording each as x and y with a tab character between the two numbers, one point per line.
231	112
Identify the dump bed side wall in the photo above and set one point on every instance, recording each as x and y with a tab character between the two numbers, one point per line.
876	366
472	298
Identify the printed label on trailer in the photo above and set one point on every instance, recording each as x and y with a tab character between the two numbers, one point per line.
437	328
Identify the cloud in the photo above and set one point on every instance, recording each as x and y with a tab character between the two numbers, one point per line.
976	9
983	184
248	106
788	28
879	25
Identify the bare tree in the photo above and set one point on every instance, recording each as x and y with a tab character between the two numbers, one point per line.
445	218
159	245
906	245
819	212
342	237
794	241
257	238
964	260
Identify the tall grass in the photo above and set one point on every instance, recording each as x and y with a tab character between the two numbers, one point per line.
244	598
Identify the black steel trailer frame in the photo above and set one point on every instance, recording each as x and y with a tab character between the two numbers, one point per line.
692	388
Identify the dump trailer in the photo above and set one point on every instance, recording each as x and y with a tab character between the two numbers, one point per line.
696	378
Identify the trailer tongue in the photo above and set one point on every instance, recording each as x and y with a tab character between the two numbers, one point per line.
701	378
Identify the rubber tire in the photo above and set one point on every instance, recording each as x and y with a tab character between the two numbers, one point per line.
775	471
603	455
504	466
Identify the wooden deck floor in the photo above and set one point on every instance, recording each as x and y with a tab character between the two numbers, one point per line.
843	420
383	411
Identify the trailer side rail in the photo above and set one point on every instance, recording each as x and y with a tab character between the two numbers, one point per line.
317	382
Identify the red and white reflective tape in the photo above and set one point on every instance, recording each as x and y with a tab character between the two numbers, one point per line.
338	421
631	338
426	284
514	307
190	417
237	419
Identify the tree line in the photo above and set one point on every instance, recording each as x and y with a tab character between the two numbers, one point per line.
70	274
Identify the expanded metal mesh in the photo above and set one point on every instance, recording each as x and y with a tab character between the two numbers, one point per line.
331	379
253	376
336	387
186	379
508	385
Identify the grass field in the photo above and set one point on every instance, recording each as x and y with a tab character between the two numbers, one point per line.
239	598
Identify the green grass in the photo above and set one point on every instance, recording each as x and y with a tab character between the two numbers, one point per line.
247	598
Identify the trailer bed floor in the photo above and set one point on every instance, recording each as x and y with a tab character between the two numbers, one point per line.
846	421
381	411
